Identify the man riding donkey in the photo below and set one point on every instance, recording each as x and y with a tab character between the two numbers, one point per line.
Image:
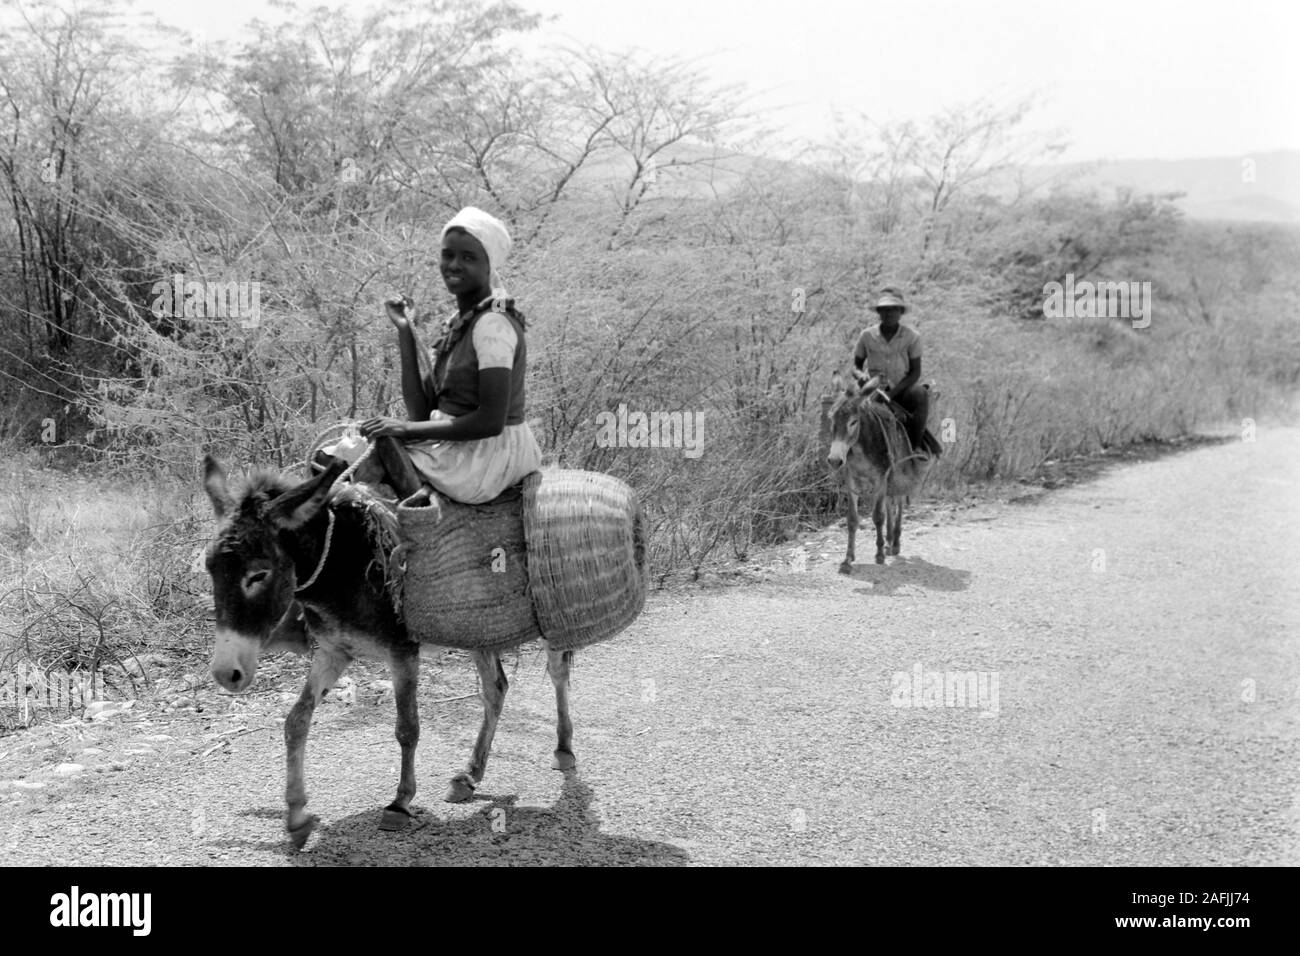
891	352
879	444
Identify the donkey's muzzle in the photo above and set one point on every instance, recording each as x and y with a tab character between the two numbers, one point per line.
234	661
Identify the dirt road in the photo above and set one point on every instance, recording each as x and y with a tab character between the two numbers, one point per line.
1135	649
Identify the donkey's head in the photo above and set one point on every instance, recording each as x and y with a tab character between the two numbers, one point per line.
846	413
252	563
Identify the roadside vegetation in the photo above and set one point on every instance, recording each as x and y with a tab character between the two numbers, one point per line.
672	256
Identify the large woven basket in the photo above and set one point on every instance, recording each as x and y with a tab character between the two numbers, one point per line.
466	579
564	561
586	555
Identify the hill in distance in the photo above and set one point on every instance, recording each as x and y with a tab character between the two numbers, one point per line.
1264	187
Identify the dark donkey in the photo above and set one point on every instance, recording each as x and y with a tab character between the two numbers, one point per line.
276	534
870	451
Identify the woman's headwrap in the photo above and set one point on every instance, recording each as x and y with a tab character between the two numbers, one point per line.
492	233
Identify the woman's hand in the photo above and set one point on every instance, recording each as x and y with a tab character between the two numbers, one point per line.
382	427
399	309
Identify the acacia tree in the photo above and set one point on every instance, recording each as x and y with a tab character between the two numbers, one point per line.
905	181
318	165
58	72
78	116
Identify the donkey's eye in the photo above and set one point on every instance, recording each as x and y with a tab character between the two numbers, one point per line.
254	579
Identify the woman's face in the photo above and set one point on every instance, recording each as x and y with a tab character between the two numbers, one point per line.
464	264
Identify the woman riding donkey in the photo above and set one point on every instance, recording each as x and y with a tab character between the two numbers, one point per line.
465	434
892	351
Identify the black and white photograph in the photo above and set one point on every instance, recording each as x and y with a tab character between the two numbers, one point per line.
564	433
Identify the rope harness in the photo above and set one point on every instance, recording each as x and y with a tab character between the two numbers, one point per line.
329	533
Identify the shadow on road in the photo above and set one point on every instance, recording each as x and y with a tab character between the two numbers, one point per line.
902	571
501	833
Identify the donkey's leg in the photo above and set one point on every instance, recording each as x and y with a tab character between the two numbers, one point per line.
493	683
404	665
878	518
846	566
895	525
558	665
889	525
327	665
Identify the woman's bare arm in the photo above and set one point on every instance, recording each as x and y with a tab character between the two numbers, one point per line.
418	405
418	400
486	421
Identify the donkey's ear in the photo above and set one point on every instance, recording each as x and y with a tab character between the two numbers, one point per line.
297	506
837	380
214	483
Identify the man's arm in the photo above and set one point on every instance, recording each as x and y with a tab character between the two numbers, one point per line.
911	378
860	352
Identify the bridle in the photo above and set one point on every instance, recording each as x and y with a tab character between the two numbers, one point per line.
325	553
860	403
329	532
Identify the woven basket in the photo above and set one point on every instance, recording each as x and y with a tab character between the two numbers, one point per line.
586	555
570	566
466	579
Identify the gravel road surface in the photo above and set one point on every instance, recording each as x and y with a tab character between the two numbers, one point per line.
1142	632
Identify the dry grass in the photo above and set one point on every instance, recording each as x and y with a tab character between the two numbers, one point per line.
94	576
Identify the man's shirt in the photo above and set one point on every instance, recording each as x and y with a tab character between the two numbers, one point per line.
890	359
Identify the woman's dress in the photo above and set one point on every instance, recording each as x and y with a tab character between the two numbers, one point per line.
477	471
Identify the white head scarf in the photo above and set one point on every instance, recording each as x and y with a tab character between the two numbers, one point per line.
492	233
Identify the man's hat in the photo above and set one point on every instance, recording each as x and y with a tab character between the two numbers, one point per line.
890	297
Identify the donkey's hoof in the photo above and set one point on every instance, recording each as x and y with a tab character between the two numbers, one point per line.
298	834
880	558
846	566
460	789
564	760
395	818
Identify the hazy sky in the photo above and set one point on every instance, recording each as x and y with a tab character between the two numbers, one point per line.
1121	78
